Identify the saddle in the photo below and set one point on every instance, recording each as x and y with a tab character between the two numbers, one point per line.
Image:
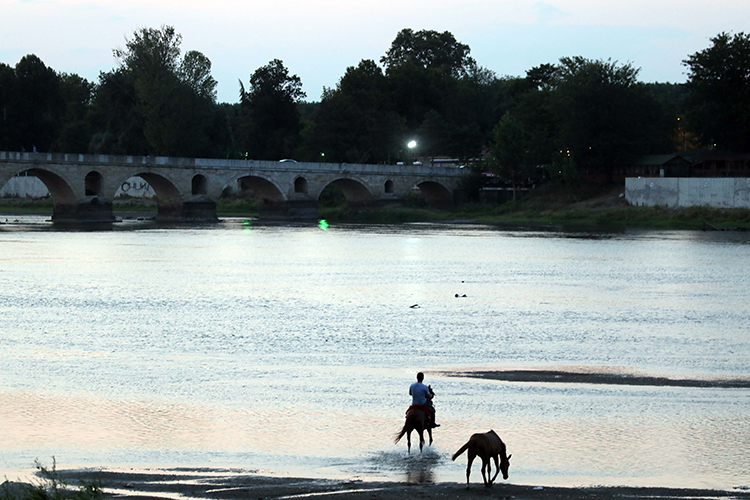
423	408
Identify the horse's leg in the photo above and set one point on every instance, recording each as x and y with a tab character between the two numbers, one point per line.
429	431
408	442
421	439
486	466
468	466
497	469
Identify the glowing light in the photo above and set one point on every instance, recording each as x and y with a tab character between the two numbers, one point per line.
322	224
412	144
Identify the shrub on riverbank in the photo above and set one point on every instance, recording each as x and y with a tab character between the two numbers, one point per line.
49	487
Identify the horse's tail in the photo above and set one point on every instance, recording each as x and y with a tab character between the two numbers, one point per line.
400	434
461	450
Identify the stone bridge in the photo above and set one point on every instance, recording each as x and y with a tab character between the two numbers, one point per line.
82	187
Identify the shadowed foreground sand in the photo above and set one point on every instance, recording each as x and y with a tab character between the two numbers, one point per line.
229	485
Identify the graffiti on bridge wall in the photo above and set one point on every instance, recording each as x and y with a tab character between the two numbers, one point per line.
135	187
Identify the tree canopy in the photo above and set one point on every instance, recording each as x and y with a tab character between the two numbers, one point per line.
430	50
166	103
719	92
574	117
270	125
580	116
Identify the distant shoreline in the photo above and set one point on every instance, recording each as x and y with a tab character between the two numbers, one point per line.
608	211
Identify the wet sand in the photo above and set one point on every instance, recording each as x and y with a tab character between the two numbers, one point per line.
226	484
221	484
572	377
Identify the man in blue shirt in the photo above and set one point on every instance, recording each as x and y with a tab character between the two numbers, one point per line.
422	395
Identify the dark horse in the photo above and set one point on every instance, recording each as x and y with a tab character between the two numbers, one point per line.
487	446
416	420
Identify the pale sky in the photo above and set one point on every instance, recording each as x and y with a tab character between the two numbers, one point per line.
318	39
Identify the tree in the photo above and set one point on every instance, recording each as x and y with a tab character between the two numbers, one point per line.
580	116
75	135
270	124
115	118
445	99
39	104
606	117
719	92
195	72
8	112
355	122
430	50
173	97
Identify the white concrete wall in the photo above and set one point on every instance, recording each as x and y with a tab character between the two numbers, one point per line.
24	187
726	192
31	187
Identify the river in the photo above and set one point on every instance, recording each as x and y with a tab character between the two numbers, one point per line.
289	350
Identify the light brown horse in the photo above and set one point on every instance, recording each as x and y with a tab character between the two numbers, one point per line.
486	446
416	420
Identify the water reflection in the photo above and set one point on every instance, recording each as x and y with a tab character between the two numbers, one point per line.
291	349
411	468
422	469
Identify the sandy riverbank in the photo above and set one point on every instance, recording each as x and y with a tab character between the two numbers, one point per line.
594	377
230	485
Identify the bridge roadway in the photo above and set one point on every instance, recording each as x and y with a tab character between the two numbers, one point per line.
82	187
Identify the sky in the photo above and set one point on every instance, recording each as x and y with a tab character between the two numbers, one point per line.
318	39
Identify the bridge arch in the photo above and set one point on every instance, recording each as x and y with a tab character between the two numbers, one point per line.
64	199
354	191
168	197
261	189
388	187
435	194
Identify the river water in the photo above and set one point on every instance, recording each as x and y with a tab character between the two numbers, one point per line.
288	350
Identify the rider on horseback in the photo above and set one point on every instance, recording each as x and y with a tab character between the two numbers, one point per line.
422	395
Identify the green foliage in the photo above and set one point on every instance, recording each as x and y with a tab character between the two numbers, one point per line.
269	123
355	122
719	87
195	72
579	117
115	117
166	104
8	113
606	117
429	50
37	105
573	120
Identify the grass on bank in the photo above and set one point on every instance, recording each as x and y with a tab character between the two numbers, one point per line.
606	207
556	205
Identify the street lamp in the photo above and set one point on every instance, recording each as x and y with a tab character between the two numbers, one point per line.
412	144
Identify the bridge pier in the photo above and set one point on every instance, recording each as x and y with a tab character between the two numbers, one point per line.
93	210
199	208
299	209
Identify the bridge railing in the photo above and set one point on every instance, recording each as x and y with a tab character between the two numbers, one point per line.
226	164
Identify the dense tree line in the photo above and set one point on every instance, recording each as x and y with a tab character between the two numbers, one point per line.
576	116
